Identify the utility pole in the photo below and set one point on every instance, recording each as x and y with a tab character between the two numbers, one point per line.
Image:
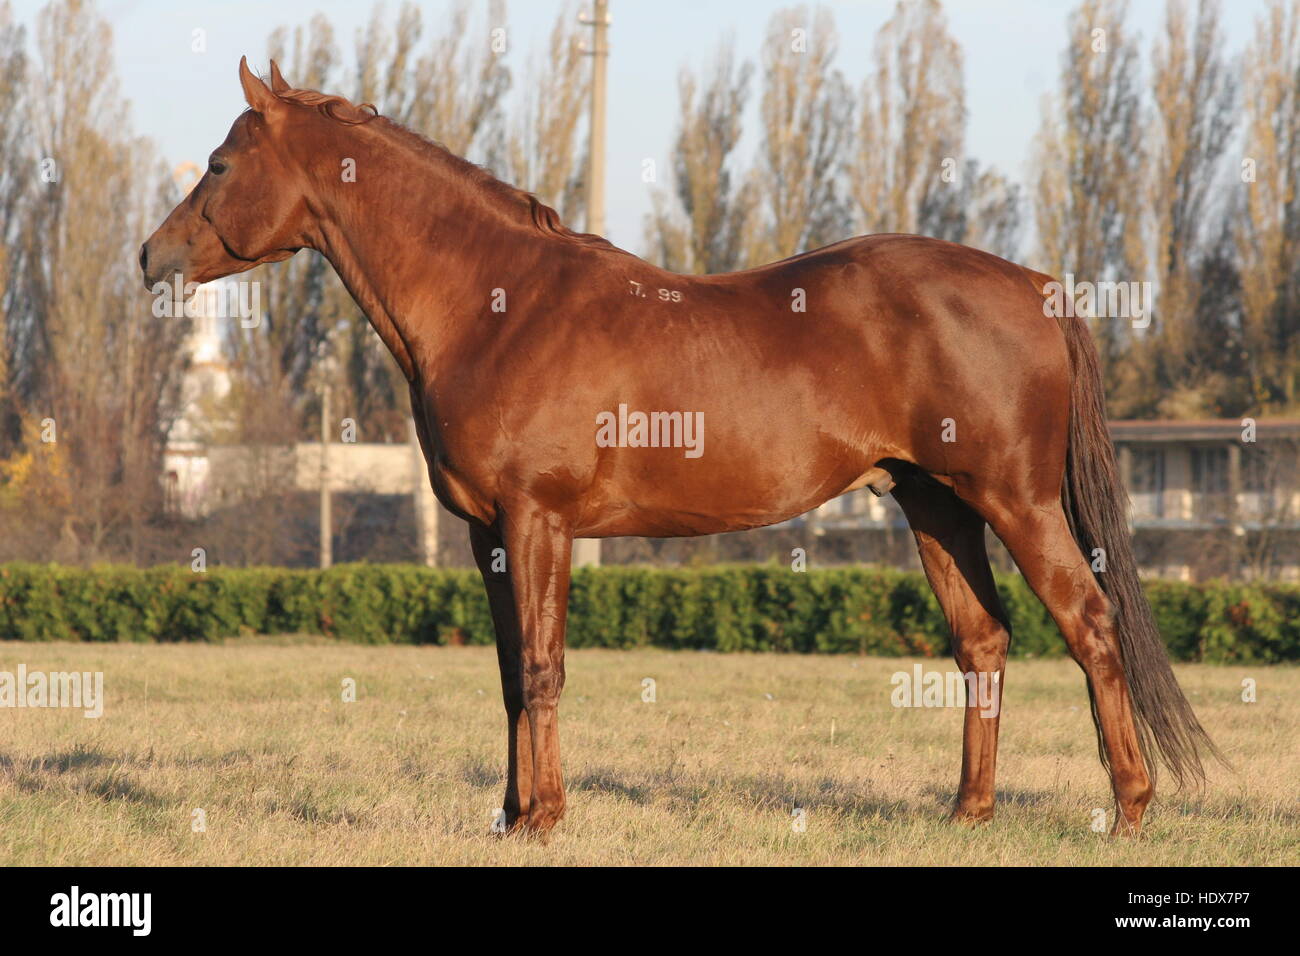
326	512
599	53
324	373
422	497
586	551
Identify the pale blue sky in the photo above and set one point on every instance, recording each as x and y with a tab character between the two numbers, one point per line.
185	101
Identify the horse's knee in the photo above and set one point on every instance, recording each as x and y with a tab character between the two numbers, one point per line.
542	685
1096	651
982	649
1093	641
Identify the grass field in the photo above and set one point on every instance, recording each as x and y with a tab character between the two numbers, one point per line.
258	737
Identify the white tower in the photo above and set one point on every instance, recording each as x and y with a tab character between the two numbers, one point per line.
207	380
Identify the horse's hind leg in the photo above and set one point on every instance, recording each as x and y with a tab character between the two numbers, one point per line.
1040	541
950	537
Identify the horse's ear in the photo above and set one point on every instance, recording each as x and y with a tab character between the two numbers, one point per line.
256	93
278	84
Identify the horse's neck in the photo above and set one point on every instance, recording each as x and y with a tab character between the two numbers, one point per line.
419	299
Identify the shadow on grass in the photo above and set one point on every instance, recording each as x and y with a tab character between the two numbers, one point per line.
78	758
764	792
68	770
761	793
307	809
475	772
1006	797
116	786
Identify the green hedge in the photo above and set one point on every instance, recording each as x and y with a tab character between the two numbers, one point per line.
862	610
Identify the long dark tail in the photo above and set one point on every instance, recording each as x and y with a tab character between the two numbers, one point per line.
1096	504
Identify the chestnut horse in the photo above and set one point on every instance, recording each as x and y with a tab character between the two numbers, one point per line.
896	362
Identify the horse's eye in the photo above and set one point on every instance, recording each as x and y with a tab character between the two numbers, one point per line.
216	167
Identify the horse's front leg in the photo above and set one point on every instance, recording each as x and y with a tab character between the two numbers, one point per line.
489	554
539	545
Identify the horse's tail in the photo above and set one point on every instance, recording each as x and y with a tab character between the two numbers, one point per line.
1096	505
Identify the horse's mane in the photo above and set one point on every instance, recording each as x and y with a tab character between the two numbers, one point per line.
338	108
543	218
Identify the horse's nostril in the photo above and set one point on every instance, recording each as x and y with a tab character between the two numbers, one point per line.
144	258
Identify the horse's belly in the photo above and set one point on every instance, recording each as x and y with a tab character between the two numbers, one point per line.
634	520
681	507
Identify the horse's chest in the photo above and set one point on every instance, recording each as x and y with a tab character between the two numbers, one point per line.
459	494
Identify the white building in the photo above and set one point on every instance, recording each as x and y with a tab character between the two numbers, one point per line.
186	466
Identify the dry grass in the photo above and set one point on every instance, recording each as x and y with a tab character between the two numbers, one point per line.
257	736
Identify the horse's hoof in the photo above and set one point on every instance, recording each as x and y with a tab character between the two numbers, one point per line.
541	820
971	818
1123	830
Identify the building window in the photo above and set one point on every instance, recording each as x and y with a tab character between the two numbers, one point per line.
1258	469
172	493
1148	482
1148	469
1210	470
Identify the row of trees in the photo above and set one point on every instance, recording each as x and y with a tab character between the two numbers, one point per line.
1171	161
88	377
829	163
